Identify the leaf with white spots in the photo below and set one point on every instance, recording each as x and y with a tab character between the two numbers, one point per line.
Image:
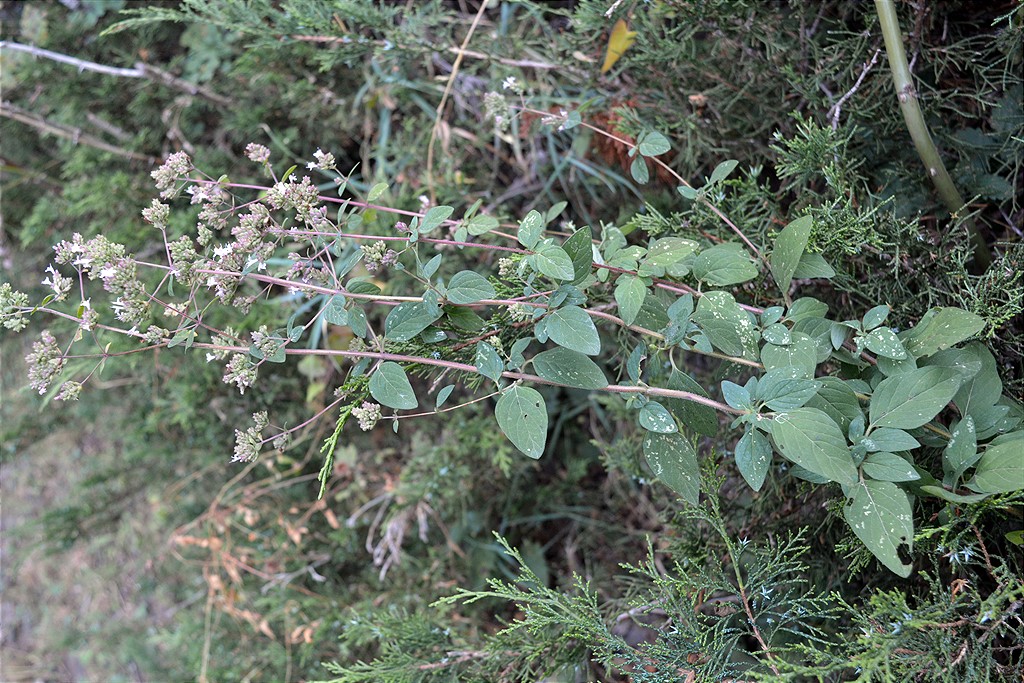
390	387
724	264
961	452
811	439
911	399
488	362
655	417
728	327
889	439
941	328
1001	467
530	229
673	460
889	467
883	342
570	368
753	458
800	354
879	514
523	418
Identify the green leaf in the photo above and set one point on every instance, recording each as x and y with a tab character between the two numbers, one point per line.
911	399
390	387
630	292
889	439
800	354
879	514
552	261
942	493
408	319
722	171
334	311
442	396
488	362
753	457
735	395
688	192
467	287
1001	467
464	318
941	328
813	265
530	229
836	399
571	327
570	368
581	252
523	418
777	334
428	269
376	192
515	355
784	389
696	416
362	285
481	225
789	247
669	251
889	467
806	307
811	439
724	264
638	169
875	317
883	342
673	460
961	452
654	143
655	417
434	217
727	326
985	388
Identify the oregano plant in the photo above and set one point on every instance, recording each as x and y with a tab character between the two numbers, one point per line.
851	403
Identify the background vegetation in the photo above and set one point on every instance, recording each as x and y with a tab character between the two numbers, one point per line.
136	551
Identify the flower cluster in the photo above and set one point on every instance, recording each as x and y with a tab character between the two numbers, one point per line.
241	372
11	304
249	442
45	362
60	285
157	214
69	391
267	344
377	254
324	161
301	196
368	415
519	313
496	108
106	260
176	166
257	153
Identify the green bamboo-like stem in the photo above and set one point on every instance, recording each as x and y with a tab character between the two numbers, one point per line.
926	149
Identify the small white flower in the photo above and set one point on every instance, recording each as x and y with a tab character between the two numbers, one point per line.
108	272
221	252
509	83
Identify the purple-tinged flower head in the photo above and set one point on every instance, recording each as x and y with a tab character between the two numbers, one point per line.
45	362
249	442
257	153
176	166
